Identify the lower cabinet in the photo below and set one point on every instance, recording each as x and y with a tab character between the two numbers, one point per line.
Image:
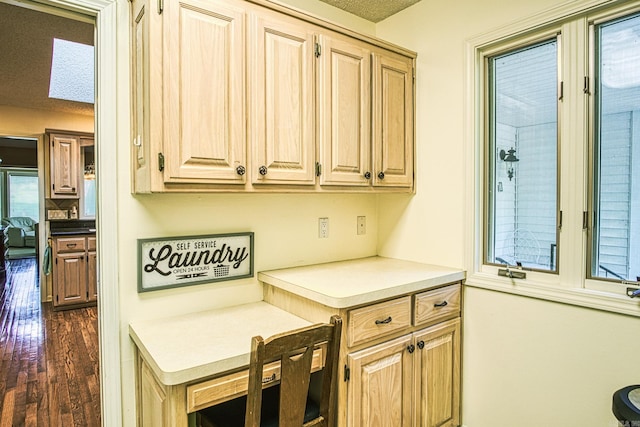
412	380
74	271
400	356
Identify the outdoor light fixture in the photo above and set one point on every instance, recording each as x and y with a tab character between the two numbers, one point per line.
509	158
90	171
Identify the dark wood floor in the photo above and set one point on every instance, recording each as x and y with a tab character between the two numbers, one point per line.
48	359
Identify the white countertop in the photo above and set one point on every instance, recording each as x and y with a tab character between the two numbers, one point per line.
185	348
349	283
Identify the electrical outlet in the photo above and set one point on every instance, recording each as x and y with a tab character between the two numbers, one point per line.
323	228
362	225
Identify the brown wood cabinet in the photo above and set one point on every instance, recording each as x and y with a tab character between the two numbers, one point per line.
299	119
64	166
65	162
74	271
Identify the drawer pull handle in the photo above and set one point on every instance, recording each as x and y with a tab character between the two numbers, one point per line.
267	380
71	245
383	322
441	304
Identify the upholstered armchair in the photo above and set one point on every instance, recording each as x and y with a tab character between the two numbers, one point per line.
20	237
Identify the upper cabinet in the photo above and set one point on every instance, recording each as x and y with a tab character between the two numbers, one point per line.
282	119
393	126
65	163
344	111
189	99
253	96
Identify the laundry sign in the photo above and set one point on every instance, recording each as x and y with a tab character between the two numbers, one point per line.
184	261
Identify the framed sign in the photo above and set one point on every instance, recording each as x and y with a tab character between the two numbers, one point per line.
184	261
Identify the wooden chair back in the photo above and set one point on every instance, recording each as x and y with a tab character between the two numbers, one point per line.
294	350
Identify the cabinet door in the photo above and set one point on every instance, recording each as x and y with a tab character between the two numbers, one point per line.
345	111
392	120
203	105
70	279
64	159
281	62
92	276
438	375
379	391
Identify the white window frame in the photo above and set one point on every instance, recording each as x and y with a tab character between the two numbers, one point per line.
570	285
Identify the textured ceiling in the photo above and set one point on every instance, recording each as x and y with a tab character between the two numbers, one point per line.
372	10
26	45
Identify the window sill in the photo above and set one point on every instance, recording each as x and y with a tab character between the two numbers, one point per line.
582	297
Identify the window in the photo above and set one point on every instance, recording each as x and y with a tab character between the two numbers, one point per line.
522	153
20	197
555	134
616	194
88	199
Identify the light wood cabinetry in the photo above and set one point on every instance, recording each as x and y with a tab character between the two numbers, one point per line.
74	271
299	119
392	122
437	375
344	111
401	356
281	50
189	100
380	385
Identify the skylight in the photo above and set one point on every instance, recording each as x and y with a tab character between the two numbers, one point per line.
72	71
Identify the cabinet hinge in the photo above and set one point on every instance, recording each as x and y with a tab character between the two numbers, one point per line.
160	6
318	169
347	373
56	298
585	220
160	162
318	50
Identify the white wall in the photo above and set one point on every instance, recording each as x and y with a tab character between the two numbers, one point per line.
525	362
285	225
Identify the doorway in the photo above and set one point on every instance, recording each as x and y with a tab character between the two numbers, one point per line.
26	111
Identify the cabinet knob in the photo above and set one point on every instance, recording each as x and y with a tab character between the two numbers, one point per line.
367	175
240	170
420	344
262	170
381	175
411	348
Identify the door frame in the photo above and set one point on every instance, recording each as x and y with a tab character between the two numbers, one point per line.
104	12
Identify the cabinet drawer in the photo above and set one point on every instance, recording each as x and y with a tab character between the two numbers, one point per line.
378	320
91	243
218	390
69	244
436	304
